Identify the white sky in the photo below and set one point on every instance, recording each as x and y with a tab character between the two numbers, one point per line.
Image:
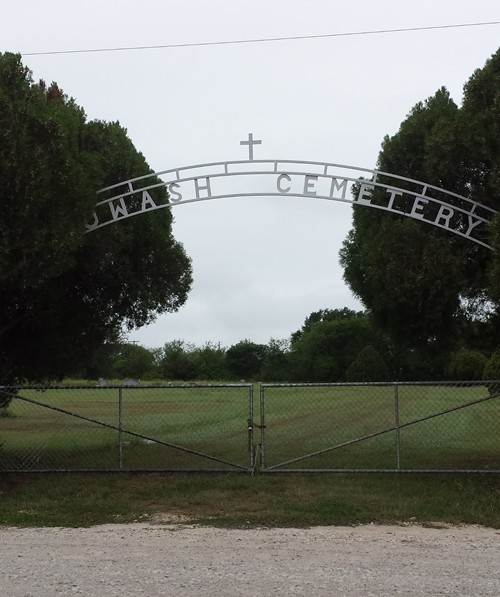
260	265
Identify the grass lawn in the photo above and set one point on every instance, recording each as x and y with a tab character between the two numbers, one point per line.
233	500
209	420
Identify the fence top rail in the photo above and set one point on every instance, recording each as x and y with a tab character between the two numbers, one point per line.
126	387
194	385
475	382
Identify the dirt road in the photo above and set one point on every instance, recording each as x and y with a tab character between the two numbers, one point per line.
187	560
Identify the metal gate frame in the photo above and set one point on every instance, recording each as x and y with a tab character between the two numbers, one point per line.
256	450
283	467
121	430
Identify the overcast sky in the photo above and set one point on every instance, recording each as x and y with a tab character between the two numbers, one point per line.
260	265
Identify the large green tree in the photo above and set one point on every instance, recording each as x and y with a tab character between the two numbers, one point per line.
177	362
132	360
210	362
64	292
246	359
424	287
328	343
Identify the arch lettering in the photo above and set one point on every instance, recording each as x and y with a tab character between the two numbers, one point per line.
291	178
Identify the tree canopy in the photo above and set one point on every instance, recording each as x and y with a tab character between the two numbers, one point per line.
426	288
328	343
64	292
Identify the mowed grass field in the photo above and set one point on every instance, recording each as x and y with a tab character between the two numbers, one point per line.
200	427
132	428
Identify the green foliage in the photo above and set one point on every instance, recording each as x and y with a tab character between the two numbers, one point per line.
186	362
133	361
100	363
213	362
210	362
326	348
368	366
177	362
411	295
390	262
276	367
480	123
427	290
492	372
40	169
245	359
466	364
65	293
324	315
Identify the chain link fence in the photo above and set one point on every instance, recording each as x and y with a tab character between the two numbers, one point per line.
385	427
117	428
453	426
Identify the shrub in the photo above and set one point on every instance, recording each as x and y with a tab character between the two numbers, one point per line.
466	364
492	372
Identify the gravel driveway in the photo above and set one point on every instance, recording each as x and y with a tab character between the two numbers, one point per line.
181	560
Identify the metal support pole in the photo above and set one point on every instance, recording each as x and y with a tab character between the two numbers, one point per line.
262	462
250	424
398	433
120	440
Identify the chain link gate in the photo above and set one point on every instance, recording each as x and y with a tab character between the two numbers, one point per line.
191	427
380	427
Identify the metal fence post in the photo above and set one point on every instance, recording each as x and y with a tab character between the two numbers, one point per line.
120	441
251	456
262	462
398	434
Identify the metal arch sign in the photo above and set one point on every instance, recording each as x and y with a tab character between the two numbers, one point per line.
292	178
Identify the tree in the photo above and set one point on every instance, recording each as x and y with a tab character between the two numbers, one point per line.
324	352
410	283
466	364
245	359
178	361
480	122
324	315
101	362
276	361
424	287
210	362
132	360
368	366
64	292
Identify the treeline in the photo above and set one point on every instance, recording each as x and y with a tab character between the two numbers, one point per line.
432	299
338	345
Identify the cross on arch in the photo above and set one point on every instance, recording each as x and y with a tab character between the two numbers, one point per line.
251	142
